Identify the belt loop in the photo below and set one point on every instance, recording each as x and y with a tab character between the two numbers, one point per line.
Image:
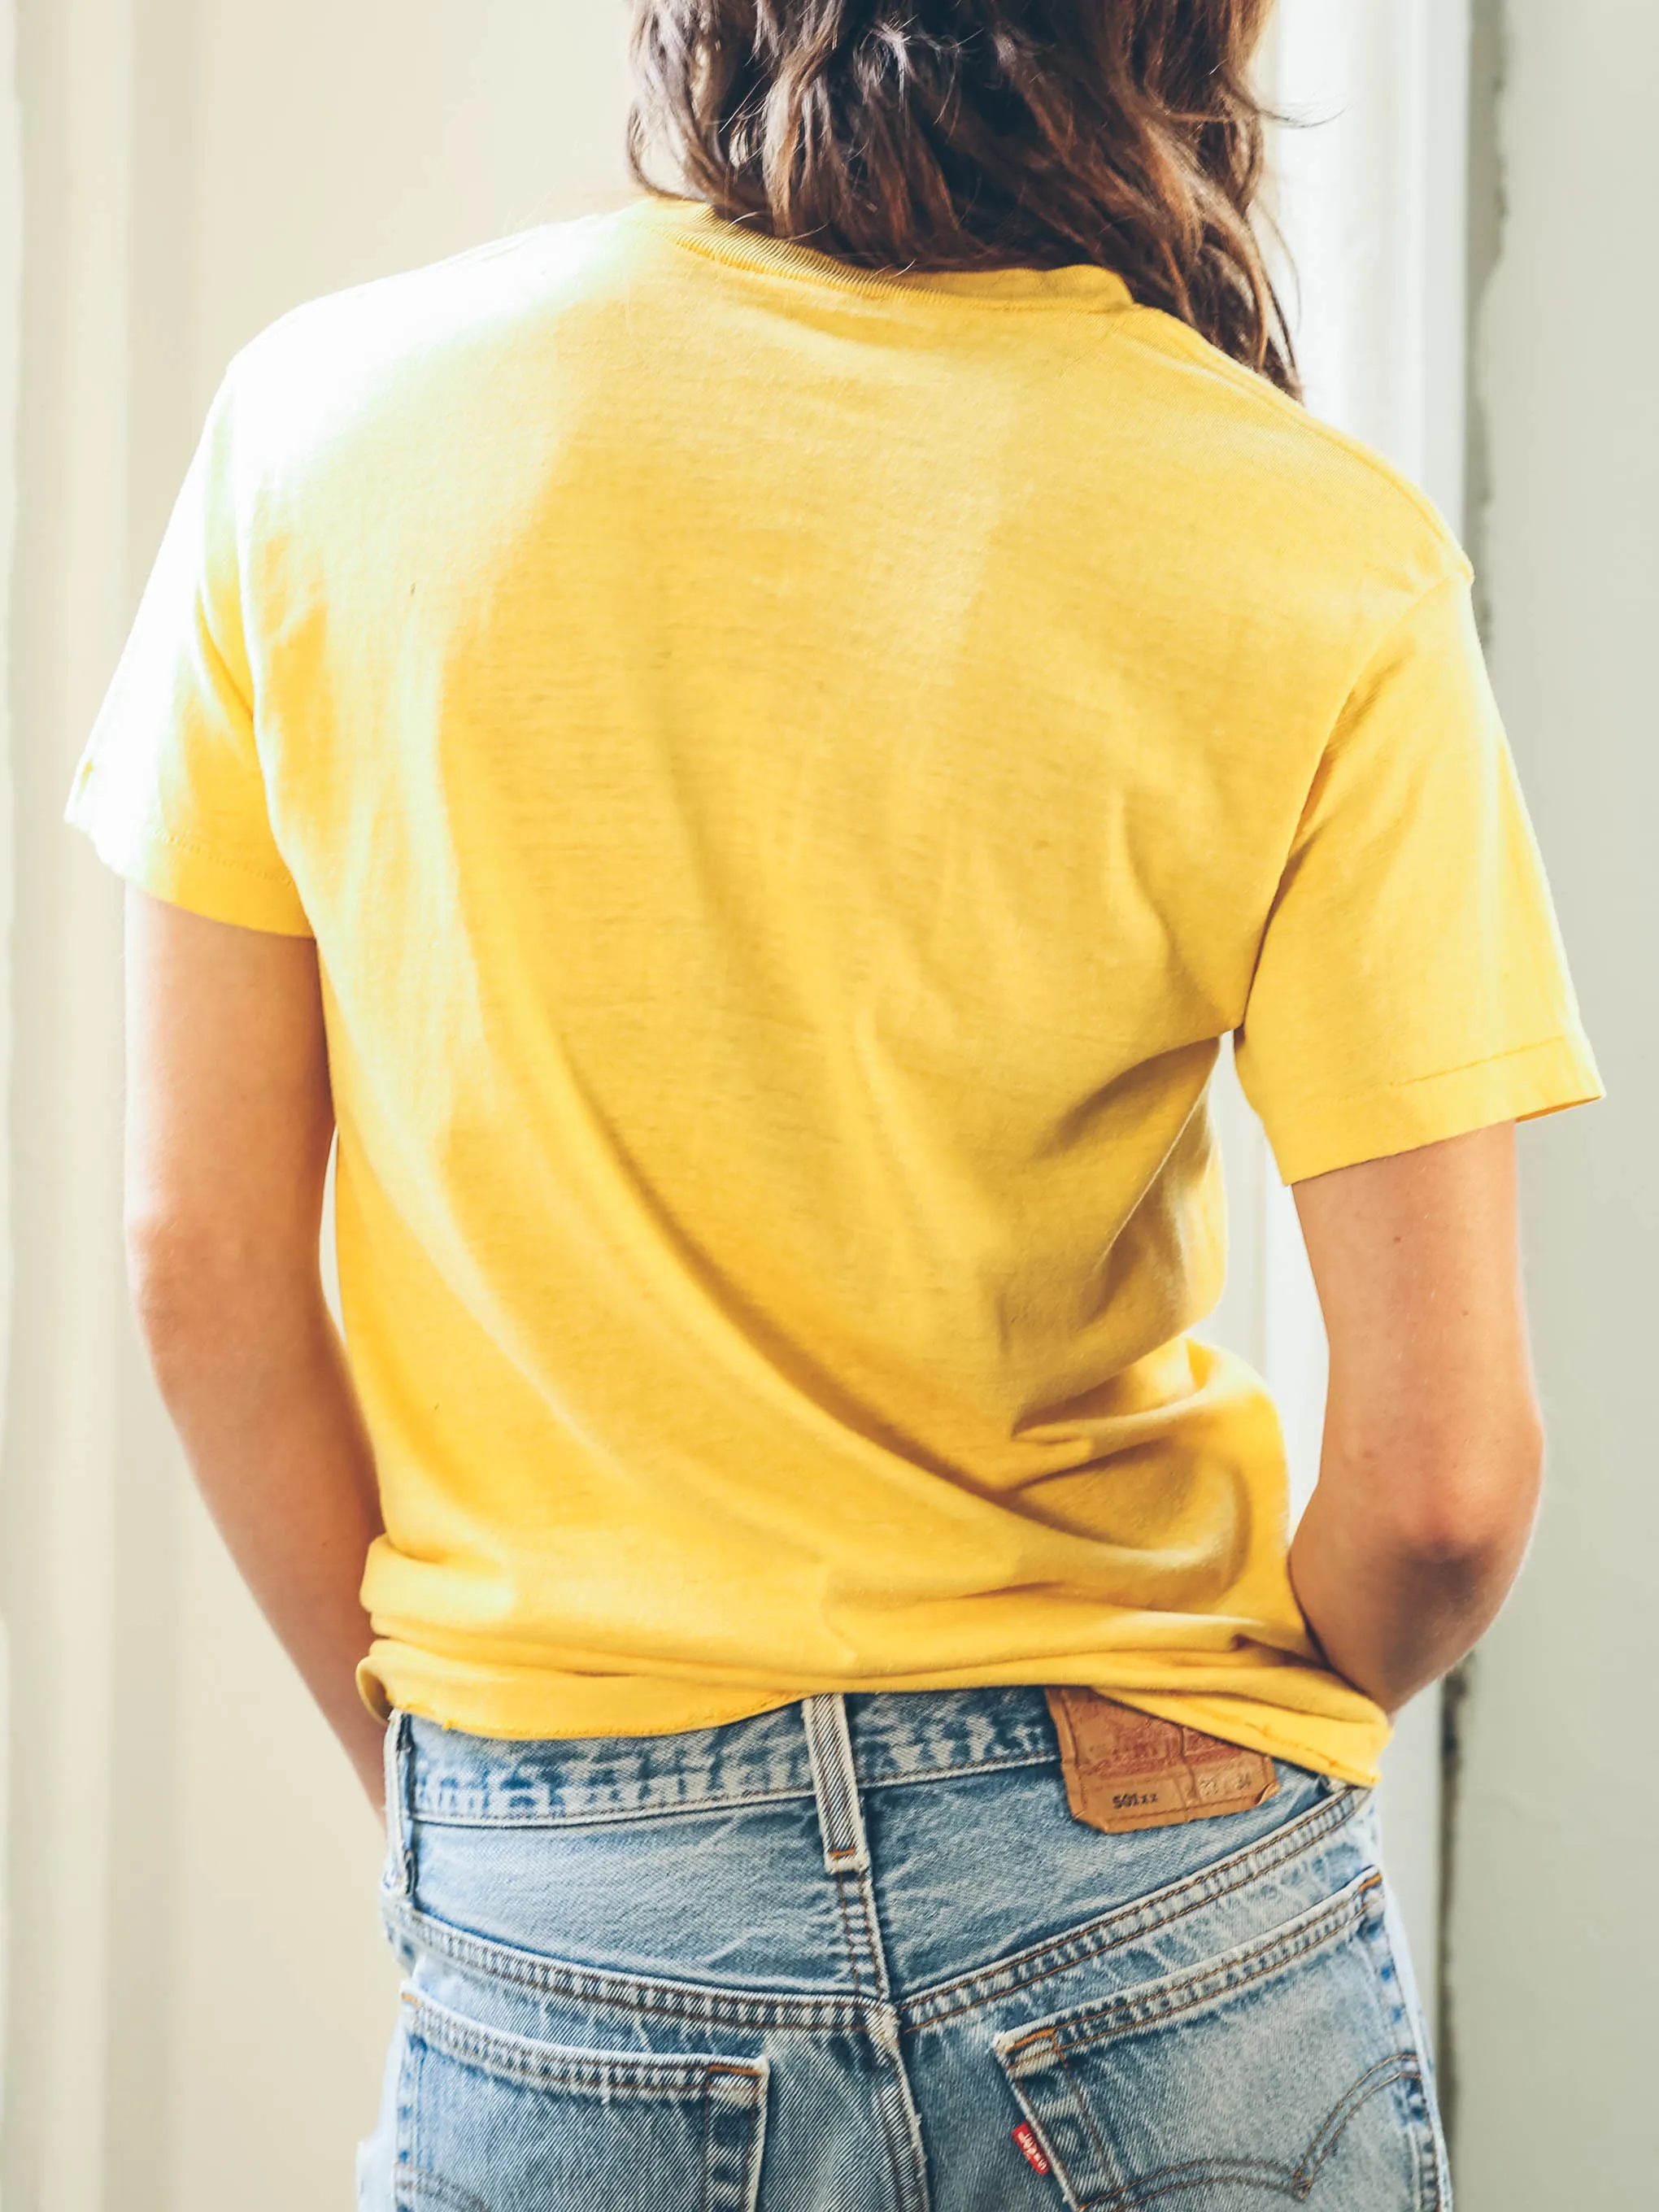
834	1783
399	1789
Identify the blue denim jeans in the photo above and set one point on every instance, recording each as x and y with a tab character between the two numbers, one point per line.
857	1955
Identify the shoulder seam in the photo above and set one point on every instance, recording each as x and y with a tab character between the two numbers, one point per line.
1234	373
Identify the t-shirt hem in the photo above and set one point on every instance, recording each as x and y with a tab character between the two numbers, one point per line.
174	868
1523	1085
511	1705
1240	1721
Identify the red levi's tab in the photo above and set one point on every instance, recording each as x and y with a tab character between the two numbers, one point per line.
1032	2149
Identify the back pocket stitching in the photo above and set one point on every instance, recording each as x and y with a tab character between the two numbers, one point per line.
643	2075
414	2181
690	2078
753	2112
1143	1916
1401	2067
1024	2054
1159	2001
1295	2182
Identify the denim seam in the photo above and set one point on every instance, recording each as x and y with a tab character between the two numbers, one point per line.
1108	2164
841	1881
834	2014
841	1815
707	2178
440	1819
990	1984
1397	2015
950	1774
830	2014
597	1819
1430	2173
406	2151
953	1773
894	2081
578	2073
415	2181
1278	1947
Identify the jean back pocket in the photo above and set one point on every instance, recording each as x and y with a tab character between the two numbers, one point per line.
490	2121
1283	2068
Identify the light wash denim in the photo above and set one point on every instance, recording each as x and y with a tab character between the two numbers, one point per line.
856	1955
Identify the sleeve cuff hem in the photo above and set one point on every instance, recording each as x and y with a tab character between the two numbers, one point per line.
1514	1086
181	873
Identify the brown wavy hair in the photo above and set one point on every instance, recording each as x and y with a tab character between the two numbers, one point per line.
976	134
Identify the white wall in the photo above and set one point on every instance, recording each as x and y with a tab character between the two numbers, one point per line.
1554	1937
11	332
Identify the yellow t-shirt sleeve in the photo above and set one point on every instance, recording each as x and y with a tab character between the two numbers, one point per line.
170	788
1411	984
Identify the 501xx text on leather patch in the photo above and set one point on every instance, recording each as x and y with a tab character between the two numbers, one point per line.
1126	1769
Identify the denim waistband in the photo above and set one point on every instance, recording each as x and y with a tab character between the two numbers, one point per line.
897	1735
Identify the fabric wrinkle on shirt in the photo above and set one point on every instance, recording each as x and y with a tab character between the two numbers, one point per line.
793	774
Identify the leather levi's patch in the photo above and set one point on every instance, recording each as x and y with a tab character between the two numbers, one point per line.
1128	1770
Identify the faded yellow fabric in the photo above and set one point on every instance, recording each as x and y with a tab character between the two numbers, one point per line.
792	774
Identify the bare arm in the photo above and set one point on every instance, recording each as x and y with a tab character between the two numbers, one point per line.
1429	1481
230	1120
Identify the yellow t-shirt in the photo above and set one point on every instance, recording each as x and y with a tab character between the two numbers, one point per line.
791	773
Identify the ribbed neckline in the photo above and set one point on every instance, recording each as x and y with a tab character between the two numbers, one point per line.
694	223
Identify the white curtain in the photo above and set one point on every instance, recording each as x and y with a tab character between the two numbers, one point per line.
1371	196
11	312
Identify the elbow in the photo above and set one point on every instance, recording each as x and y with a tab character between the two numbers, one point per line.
1475	1512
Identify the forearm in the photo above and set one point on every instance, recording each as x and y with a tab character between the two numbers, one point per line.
1394	1610
253	1374
1429	1475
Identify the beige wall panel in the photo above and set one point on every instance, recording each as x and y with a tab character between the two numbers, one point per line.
1554	1939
